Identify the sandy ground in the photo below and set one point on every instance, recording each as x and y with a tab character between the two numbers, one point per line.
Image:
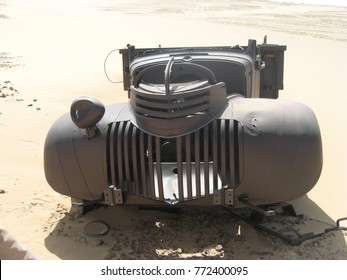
53	51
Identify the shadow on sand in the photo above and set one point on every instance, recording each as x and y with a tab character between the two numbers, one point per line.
207	233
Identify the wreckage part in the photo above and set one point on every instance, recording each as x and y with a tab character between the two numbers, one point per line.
74	165
120	149
144	189
244	199
134	159
127	158
189	167
96	229
271	77
150	166
206	159
167	74
185	174
113	196
86	112
235	67
110	150
159	170
179	113
339	221
268	149
174	71
179	170
282	149
215	154
197	159
293	235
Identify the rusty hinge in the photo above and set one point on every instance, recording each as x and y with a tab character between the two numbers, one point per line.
223	196
113	196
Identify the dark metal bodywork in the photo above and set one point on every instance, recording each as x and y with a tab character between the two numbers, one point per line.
203	126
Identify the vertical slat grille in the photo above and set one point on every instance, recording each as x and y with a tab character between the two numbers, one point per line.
175	169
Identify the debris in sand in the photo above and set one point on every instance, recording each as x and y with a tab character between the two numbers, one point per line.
96	229
7	89
219	248
8	61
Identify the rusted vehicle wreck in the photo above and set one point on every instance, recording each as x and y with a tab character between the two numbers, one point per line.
203	126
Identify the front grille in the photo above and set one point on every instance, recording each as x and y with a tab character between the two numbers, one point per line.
175	169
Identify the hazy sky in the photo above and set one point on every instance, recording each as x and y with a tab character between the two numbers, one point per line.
321	2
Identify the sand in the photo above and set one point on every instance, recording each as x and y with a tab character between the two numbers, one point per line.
53	51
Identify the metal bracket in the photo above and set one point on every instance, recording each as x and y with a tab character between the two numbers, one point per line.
267	213
113	196
223	196
294	233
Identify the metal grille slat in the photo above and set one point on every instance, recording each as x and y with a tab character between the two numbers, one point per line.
172	104
159	171
179	168
151	167
135	157
238	159
143	165
126	156
179	113
112	154
215	143
197	163
119	153
231	154
206	161
189	166
223	155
